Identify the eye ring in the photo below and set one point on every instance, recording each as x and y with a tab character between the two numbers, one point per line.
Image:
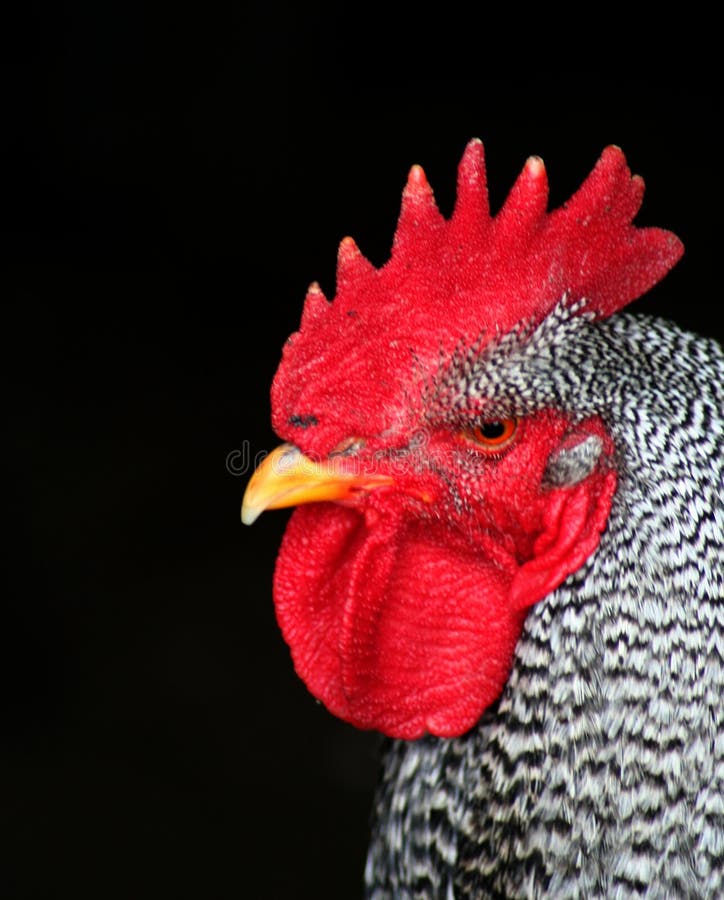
492	435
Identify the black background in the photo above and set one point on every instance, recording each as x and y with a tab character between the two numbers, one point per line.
171	183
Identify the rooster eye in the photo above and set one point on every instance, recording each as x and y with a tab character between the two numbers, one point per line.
493	435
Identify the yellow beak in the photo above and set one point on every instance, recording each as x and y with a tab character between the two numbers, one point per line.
287	478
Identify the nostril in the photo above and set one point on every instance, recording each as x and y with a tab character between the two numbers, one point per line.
298	421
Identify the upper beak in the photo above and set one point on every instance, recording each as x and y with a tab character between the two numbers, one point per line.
287	478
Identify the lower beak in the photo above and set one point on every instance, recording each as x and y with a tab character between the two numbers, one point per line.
287	478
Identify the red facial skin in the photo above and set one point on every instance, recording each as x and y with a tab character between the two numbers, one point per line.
402	610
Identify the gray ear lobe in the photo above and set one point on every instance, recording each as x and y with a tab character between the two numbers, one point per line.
569	465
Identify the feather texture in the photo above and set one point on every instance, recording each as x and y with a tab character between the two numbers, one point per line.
600	772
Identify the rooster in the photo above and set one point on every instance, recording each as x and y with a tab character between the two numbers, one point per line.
507	555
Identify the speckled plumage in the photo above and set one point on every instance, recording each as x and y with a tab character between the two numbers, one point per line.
600	771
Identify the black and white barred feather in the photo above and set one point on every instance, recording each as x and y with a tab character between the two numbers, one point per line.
600	771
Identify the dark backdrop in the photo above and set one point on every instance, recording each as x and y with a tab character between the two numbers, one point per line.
171	184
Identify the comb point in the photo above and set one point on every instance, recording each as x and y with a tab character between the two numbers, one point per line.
351	263
315	305
535	167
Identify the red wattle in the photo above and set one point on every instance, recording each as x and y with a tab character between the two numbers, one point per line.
405	628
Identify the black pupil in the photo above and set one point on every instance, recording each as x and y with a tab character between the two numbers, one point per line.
492	430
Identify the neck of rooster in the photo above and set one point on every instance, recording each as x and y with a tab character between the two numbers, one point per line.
611	720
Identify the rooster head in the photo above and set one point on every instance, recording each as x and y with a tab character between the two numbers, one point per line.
444	486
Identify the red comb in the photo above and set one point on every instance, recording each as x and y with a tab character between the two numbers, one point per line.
523	259
453	280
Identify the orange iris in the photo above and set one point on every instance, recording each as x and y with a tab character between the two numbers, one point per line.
494	435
